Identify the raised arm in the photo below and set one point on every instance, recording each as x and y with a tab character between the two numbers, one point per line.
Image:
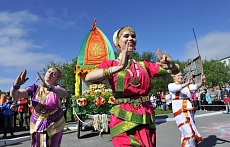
173	87
60	91
15	90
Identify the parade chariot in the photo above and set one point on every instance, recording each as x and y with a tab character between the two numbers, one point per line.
92	101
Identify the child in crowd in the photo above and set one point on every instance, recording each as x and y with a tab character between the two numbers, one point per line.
153	100
226	101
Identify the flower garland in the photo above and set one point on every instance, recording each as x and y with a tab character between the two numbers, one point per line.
77	84
80	74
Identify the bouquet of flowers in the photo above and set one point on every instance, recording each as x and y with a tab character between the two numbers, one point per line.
96	100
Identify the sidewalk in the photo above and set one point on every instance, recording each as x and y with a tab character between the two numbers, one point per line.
24	135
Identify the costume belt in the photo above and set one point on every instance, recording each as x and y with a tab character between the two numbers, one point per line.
135	102
181	99
44	116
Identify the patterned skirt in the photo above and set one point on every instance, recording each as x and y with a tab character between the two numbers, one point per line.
131	126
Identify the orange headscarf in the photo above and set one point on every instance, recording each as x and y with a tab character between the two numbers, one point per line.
3	99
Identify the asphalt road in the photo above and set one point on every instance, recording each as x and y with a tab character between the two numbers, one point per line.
213	126
214	129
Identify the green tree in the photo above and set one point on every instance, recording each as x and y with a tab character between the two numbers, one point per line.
217	73
136	56
159	83
69	76
148	56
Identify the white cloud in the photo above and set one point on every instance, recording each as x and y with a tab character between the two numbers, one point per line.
214	45
17	19
18	52
5	80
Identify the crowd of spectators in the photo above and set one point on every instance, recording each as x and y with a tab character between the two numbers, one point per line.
161	100
207	98
214	98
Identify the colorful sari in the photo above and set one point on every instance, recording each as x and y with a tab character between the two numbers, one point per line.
47	121
132	121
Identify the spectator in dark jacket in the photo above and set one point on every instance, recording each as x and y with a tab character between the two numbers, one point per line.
8	115
158	96
2	100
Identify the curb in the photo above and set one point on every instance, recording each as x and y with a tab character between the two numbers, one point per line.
16	140
13	140
161	120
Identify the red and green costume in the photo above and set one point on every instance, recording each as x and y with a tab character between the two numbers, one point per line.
130	126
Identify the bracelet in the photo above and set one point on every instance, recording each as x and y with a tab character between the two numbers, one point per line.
106	72
16	87
175	69
169	71
50	88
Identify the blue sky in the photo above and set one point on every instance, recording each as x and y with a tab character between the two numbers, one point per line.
34	32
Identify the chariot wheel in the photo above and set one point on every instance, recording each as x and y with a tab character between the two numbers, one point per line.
79	126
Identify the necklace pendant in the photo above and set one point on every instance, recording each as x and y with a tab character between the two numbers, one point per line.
135	82
43	111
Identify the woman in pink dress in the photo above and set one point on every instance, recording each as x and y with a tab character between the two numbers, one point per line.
132	121
47	121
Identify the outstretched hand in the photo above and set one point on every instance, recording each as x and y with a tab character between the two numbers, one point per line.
42	82
21	79
165	61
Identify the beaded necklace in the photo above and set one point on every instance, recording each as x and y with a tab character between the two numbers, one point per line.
134	80
42	96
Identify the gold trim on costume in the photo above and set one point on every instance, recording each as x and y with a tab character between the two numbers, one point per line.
134	102
56	127
46	115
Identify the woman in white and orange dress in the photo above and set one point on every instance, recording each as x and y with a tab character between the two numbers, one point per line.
183	109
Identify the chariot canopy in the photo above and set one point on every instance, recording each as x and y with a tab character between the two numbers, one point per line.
95	48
